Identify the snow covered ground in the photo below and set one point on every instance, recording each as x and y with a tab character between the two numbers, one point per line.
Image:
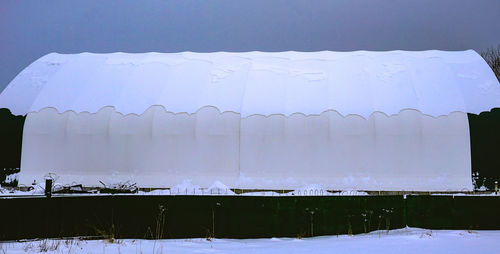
217	188
407	240
187	188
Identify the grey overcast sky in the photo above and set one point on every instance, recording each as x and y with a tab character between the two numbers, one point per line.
31	29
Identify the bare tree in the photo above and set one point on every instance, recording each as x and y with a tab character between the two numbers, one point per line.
492	57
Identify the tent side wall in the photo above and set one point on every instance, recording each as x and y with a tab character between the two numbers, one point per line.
408	151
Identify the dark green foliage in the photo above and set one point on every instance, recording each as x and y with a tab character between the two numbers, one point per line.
11	134
485	147
4	172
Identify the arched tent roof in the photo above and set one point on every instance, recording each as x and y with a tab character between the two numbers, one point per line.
360	83
255	120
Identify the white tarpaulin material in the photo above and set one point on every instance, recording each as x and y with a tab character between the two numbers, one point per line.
408	151
352	120
432	82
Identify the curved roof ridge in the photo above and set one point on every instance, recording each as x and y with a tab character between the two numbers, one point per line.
258	83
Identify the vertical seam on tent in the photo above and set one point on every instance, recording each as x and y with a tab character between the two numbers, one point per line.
23	140
239	148
152	122
240	115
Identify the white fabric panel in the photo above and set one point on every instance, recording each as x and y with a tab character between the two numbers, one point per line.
408	151
156	149
433	82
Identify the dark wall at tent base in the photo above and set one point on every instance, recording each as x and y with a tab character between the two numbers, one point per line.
484	133
153	217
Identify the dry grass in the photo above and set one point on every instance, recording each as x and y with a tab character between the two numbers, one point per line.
44	245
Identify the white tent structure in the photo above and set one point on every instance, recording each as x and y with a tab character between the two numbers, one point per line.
343	120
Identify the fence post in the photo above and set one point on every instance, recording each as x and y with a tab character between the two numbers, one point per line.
48	187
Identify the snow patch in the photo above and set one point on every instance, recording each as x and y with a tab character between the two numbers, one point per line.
406	240
220	188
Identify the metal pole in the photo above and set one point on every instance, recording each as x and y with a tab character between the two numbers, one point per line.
312	223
